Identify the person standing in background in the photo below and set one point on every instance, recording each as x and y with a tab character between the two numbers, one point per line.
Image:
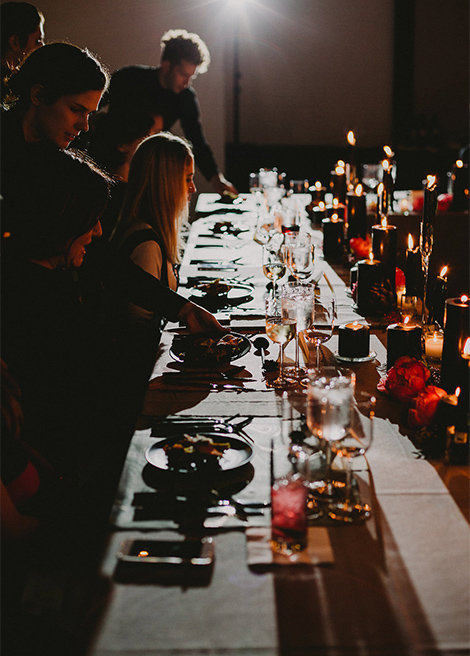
22	31
184	56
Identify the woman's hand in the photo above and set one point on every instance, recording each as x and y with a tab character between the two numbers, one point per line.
199	320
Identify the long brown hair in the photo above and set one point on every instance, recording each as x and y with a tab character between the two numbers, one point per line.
156	191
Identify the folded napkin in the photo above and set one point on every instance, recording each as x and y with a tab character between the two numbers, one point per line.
259	551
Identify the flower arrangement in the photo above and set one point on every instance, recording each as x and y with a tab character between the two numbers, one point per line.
408	381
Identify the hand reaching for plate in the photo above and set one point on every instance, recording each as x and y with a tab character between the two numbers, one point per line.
199	320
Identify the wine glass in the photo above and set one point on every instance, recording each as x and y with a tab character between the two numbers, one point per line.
297	299
323	320
355	443
299	254
330	394
265	228
280	330
274	265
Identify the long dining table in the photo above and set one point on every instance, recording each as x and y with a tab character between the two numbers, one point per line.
396	584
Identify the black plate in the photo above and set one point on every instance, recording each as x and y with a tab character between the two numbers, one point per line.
238	454
186	348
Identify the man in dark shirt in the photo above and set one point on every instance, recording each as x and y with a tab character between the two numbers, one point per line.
167	88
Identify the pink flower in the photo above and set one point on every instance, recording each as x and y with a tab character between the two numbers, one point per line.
424	406
406	379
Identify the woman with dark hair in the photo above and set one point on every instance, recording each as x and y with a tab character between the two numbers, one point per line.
22	31
49	340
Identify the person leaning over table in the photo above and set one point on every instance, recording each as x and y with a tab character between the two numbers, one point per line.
22	31
159	187
52	96
184	55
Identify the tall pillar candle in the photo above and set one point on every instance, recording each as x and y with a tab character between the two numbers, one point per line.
454	369
436	310
369	276
356	213
411	267
384	248
403	339
333	236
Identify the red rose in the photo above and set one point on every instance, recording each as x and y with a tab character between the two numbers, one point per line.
444	201
406	379
360	248
424	406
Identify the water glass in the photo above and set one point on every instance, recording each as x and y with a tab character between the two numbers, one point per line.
299	254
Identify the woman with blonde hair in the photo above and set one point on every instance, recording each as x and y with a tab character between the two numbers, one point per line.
155	205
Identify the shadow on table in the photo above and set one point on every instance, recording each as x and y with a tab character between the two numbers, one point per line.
359	606
183	575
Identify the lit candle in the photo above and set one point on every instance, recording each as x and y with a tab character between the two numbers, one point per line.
338	181
356	213
389	154
353	340
318	193
384	248
352	156
433	343
429	215
454	369
411	267
403	339
386	200
336	208
333	235
369	277
380	190
459	187
436	312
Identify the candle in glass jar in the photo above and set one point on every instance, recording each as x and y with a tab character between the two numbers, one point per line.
433	343
454	369
403	339
356	213
384	248
353	340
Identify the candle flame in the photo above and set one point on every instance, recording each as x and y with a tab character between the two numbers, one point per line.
443	272
457	392
339	170
358	190
335	203
459	164
466	348
371	256
410	242
406	320
380	188
334	218
384	222
351	138
318	185
355	323
431	182
341	162
463	299
321	205
385	165
388	151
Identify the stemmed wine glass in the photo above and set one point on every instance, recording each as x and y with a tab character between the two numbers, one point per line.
274	264
355	443
297	299
299	254
323	320
280	330
330	394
